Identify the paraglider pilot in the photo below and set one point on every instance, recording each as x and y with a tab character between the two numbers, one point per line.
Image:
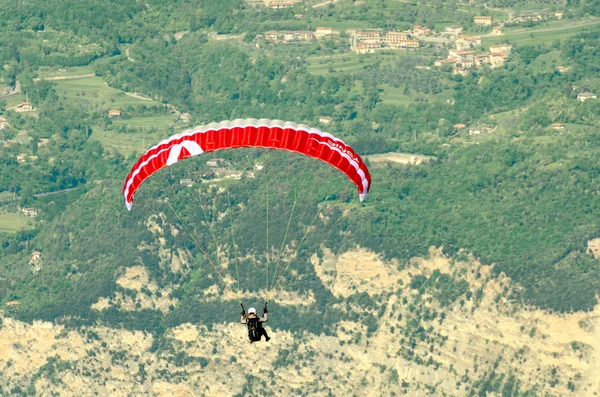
254	323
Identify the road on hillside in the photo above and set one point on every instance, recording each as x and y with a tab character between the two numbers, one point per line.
55	192
324	3
38	195
138	96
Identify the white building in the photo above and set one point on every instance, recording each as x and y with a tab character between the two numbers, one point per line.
215	162
321	32
584	96
325	120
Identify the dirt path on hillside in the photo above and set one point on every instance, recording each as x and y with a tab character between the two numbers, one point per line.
324	3
138	96
77	76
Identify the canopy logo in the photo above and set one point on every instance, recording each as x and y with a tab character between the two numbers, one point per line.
340	147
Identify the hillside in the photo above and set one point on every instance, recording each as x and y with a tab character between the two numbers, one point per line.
472	268
419	345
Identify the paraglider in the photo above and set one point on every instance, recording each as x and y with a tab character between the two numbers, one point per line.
255	324
251	133
263	133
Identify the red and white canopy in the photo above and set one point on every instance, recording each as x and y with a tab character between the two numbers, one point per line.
263	133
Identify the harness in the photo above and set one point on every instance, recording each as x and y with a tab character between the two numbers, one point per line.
254	326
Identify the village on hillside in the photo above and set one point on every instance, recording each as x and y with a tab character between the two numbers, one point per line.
464	51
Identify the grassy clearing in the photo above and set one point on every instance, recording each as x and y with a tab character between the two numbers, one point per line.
344	65
531	38
6	194
563	23
158	122
128	143
12	222
572	130
503	116
535	6
544	35
352	62
508	123
14	100
395	96
546	63
74	71
92	92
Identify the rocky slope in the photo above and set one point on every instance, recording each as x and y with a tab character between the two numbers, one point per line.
422	343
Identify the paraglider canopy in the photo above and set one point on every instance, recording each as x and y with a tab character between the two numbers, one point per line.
250	133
